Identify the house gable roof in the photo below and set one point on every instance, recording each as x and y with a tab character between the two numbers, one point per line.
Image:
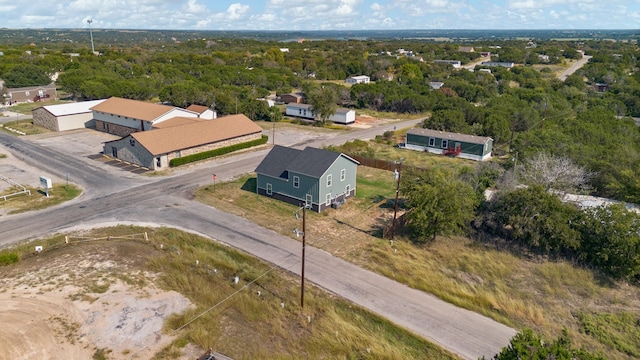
311	162
186	136
276	162
176	121
133	108
197	108
472	139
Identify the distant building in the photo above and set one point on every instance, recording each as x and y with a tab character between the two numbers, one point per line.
291	98
466	49
455	63
360	79
435	85
341	116
508	65
29	94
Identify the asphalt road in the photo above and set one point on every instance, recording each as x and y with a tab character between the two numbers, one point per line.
167	201
574	67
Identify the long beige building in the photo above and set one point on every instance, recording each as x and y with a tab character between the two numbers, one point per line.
179	136
122	117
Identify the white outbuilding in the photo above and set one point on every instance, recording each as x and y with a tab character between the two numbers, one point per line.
61	117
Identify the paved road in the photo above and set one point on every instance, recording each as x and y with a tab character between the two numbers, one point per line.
166	201
574	67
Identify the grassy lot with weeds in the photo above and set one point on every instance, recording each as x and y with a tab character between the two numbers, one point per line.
38	200
26	126
244	320
543	295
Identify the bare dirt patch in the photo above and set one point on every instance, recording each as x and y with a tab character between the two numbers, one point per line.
71	303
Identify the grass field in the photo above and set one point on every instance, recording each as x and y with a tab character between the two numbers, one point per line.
37	200
26	126
543	295
244	320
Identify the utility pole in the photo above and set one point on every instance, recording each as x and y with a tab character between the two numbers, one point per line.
304	245
304	234
396	175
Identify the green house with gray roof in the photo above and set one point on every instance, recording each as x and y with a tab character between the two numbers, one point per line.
465	146
314	177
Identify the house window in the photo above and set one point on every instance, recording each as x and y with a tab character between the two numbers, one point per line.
329	180
106	127
26	93
347	190
328	202
343	174
114	152
132	142
158	162
269	189
445	143
432	142
308	199
299	111
296	182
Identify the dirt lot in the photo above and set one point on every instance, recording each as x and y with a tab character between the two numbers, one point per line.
78	301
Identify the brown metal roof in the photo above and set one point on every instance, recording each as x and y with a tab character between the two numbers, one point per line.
472	139
197	108
175	138
134	109
176	121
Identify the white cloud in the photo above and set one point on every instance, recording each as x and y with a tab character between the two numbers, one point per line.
237	10
193	7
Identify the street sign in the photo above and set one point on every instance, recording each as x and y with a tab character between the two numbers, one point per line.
46	184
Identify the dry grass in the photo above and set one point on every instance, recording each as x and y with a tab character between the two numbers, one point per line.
25	126
37	200
543	295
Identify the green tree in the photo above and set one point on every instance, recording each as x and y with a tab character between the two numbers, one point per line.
275	114
323	100
527	345
611	240
24	75
536	219
439	203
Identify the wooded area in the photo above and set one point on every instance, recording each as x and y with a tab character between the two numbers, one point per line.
582	127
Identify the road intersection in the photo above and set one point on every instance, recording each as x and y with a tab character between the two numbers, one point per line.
110	198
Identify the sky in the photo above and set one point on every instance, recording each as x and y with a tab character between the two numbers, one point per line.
321	14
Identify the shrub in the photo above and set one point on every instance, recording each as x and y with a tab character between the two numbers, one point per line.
216	152
8	258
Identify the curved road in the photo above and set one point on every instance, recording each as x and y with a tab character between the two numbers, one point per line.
166	201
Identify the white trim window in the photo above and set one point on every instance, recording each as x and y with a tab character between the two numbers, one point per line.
343	174
445	143
328	200
347	190
308	199
296	182
329	180
269	189
432	142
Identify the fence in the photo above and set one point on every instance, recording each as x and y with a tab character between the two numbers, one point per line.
13	183
381	164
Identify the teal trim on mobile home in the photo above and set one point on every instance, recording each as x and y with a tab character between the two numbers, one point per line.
471	147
